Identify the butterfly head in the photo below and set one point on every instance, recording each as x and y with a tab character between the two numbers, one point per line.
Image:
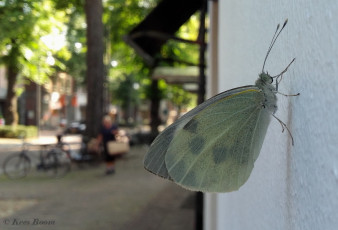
263	80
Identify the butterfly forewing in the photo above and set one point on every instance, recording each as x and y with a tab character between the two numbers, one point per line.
216	149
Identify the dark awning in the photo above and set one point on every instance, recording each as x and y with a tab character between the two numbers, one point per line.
160	25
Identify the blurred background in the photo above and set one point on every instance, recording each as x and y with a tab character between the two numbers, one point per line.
63	66
62	60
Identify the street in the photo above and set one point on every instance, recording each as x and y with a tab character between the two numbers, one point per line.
87	199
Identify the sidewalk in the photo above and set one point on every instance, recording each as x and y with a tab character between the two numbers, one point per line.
131	199
45	137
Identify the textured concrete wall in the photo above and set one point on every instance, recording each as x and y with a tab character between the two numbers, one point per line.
291	187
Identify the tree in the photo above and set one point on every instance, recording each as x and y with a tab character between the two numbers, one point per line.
95	67
22	51
119	17
86	46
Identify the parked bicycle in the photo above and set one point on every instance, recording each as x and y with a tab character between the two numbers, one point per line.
64	146
87	156
82	157
53	160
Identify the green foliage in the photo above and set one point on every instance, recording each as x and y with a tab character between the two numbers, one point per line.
17	131
126	92
26	23
120	17
70	4
28	46
75	63
159	94
179	96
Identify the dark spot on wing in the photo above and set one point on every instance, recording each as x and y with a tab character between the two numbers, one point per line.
220	154
196	145
191	126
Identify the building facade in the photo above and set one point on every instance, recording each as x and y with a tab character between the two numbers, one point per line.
290	187
56	102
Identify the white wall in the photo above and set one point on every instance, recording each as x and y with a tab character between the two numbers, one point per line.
291	187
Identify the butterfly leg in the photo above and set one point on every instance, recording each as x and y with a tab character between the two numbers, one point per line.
284	126
288	95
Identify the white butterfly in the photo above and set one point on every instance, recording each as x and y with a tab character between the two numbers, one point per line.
213	147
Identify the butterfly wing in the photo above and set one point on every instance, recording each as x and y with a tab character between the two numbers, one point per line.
154	160
216	149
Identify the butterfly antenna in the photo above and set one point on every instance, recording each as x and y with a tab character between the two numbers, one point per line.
270	46
274	38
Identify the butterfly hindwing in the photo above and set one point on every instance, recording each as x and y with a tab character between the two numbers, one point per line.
154	160
216	149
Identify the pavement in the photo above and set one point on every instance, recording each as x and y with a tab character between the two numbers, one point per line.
45	137
86	199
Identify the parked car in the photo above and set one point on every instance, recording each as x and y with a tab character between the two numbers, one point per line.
76	127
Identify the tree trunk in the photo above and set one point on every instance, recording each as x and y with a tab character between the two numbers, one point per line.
10	113
95	67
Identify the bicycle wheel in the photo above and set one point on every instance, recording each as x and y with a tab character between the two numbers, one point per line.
57	163
17	166
64	147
